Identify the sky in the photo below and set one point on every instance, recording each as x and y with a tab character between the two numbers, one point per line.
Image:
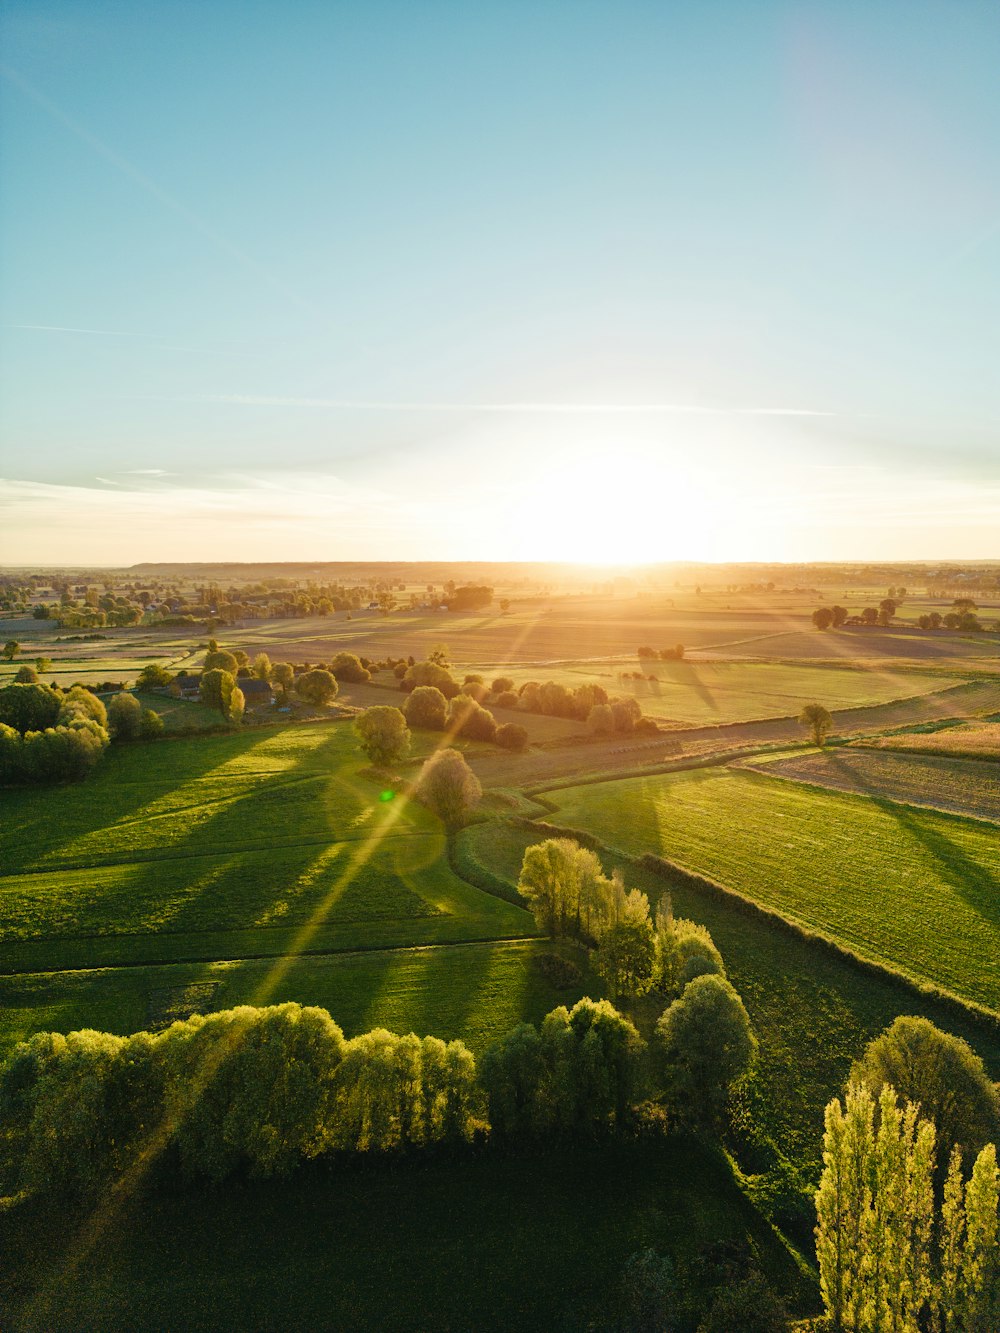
519	279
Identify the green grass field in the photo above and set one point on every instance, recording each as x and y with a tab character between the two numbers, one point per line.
812	1012
479	1242
914	889
249	849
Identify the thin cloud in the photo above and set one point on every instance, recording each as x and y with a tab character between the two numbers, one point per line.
101	333
369	405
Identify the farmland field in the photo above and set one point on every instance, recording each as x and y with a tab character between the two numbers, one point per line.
708	693
969	740
961	786
917	890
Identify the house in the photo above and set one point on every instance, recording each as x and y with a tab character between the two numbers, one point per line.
184	686
257	693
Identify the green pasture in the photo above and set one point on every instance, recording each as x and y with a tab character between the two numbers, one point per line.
914	889
232	846
486	1242
473	991
813	1013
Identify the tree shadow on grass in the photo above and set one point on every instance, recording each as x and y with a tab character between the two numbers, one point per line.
979	887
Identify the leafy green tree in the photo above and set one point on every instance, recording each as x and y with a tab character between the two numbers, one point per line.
427	708
125	717
651	1297
601	720
383	733
316	687
220	660
29	707
503	684
262	667
237	706
26	675
79	703
43	664
625	959
822	618
216	689
940	1072
512	1072
839	616
11	649
448	786
283	675
705	1044
556	880
818	720
750	1305
626	713
153	676
151	724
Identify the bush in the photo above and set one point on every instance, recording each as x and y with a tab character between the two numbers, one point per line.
426	707
26	675
562	973
347	667
220	660
503	685
512	736
430	673
508	699
469	719
626	713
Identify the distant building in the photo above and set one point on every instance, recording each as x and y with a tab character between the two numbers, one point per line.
257	693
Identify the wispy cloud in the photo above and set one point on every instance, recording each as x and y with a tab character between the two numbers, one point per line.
100	333
370	405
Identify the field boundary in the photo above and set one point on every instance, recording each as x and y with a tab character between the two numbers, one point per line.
967	1010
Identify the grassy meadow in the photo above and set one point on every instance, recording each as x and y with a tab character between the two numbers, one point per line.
914	889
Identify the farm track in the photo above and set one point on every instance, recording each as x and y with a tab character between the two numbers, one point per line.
480	941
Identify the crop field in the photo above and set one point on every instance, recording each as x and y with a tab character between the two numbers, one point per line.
917	890
961	786
812	1012
708	693
975	740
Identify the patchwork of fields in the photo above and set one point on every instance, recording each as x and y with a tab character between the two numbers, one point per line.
914	889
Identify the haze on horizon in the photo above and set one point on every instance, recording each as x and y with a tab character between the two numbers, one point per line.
571	281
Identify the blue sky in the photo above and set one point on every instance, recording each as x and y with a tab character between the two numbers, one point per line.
499	280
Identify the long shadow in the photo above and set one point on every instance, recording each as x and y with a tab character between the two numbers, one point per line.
963	872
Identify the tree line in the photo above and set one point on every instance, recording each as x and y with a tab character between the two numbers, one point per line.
50	735
260	1090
